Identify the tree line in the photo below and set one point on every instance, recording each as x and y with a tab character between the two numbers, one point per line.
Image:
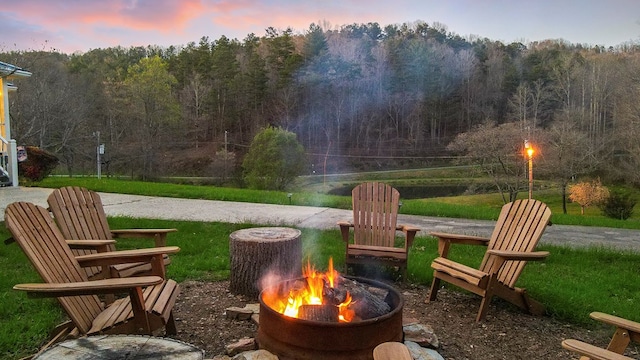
359	96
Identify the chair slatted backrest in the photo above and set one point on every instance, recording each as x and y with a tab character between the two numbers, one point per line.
80	216
519	228
35	231
79	213
375	214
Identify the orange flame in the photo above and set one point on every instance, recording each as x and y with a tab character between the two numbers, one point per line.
346	314
311	294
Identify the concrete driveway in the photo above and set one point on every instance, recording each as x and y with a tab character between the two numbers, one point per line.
313	217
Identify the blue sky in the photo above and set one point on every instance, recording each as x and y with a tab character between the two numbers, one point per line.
81	25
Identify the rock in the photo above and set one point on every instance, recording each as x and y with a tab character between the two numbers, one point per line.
220	357
256	318
255	355
255	308
241	345
421	334
409	321
238	313
245	313
420	353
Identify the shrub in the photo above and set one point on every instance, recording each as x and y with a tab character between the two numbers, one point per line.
39	164
619	205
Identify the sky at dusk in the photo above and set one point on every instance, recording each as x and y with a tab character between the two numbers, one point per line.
80	25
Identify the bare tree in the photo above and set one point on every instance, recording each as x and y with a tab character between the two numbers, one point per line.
498	150
566	153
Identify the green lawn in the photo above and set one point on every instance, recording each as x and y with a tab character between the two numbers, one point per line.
483	206
571	282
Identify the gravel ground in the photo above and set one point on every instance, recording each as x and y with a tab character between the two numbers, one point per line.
507	333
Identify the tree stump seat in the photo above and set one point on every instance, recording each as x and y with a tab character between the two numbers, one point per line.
256	252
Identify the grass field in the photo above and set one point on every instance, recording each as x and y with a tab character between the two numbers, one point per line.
571	282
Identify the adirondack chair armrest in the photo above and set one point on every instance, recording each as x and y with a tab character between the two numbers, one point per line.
125	256
505	256
392	351
98	245
461	238
445	240
518	255
616	321
344	229
593	352
105	286
409	233
159	235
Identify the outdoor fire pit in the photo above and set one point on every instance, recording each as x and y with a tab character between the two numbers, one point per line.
349	330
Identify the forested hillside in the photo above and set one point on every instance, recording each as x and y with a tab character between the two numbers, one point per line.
358	97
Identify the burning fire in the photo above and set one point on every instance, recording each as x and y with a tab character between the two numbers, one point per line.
310	292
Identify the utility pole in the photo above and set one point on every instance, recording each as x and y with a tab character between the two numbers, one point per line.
98	155
226	154
99	150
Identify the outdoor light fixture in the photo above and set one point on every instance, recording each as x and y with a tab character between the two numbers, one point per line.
289	195
529	150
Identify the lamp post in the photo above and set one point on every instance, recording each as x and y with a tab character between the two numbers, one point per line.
529	150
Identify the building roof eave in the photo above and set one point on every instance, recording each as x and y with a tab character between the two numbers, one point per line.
11	71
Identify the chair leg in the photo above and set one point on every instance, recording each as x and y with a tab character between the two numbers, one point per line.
484	307
486	300
171	325
533	307
433	292
619	341
58	334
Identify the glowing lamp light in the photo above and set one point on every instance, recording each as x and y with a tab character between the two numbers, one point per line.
529	150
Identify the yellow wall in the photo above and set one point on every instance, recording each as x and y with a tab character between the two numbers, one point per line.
3	114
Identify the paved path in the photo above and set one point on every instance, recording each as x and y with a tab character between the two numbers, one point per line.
313	217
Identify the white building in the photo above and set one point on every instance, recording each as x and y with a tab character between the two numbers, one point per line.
8	151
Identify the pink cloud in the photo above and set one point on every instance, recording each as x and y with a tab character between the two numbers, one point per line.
251	15
162	15
99	23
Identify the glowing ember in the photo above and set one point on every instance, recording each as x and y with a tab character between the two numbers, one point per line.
311	291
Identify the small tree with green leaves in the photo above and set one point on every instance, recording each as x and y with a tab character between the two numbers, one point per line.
274	160
588	193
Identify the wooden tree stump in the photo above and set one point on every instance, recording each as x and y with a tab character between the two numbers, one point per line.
113	347
255	252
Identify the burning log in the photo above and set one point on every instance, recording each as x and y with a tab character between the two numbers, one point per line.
365	303
327	313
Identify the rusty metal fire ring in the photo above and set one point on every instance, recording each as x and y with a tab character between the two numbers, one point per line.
292	338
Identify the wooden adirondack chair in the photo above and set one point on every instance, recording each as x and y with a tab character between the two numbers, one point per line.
627	331
80	216
515	236
147	309
375	215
